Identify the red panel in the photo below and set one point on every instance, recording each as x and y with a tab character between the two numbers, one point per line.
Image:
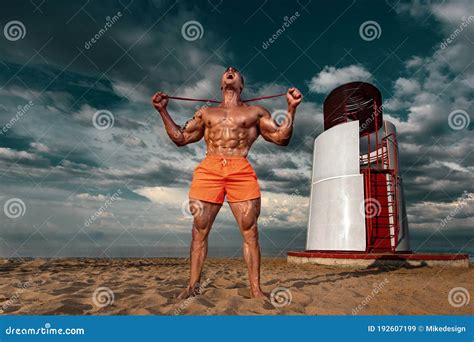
378	231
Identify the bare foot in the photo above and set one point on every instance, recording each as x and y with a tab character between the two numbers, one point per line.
257	294
190	292
186	293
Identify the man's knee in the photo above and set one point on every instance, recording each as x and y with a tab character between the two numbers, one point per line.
250	233
201	228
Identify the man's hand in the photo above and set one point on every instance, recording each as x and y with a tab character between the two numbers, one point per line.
294	98
160	101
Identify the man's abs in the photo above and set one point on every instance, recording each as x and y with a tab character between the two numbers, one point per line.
229	141
230	132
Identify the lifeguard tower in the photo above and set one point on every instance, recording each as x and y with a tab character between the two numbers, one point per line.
357	211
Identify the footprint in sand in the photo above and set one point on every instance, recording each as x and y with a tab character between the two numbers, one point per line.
176	282
205	302
230	312
71	307
10	309
134	291
65	290
268	306
271	282
299	284
236	286
170	294
80	284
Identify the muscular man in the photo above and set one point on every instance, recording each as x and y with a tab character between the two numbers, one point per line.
229	131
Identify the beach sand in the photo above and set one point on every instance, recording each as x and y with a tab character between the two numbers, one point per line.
150	287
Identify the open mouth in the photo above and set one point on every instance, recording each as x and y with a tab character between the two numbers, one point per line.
230	76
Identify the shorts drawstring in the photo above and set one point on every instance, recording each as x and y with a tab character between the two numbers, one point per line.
224	161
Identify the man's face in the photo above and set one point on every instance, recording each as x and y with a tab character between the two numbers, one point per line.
231	78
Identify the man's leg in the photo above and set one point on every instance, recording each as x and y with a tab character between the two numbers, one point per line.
246	214
204	215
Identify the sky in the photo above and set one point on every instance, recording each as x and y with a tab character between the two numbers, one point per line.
86	168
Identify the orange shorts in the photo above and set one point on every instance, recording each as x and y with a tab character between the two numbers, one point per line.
217	176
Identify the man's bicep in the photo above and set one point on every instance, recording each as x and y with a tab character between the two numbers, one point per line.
194	128
267	125
193	124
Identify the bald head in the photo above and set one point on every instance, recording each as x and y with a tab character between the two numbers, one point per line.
232	79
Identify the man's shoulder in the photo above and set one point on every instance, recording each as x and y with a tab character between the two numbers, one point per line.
205	110
259	110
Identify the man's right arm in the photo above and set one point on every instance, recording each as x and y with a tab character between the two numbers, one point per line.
192	131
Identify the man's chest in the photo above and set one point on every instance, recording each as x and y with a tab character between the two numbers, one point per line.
235	118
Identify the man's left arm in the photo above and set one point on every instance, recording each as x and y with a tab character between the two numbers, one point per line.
280	133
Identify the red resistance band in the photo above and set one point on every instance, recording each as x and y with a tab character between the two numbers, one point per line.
214	101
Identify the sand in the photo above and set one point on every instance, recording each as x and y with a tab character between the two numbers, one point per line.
150	287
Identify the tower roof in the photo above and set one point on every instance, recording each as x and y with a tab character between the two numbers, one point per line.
354	101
